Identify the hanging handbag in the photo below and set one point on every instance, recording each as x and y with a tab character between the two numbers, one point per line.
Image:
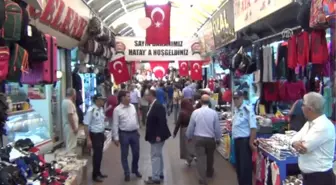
94	27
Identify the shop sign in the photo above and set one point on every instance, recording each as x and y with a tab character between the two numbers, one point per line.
62	18
135	49
223	25
247	12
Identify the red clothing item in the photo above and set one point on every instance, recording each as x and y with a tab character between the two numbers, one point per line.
111	101
303	48
319	47
292	53
271	91
227	96
292	91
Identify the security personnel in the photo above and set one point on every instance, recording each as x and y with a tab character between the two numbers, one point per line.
244	133
94	130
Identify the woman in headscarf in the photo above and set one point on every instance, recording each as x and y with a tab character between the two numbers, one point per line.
186	148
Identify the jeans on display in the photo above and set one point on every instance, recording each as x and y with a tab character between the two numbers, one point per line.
157	160
176	109
128	139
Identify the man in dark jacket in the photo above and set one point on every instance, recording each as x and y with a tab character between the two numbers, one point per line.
157	132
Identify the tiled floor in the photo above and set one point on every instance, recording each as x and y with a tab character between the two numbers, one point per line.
176	172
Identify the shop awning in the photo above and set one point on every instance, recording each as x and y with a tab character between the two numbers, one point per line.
187	16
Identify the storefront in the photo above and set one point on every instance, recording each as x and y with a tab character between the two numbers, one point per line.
275	89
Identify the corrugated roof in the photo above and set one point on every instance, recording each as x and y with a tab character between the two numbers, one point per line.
187	16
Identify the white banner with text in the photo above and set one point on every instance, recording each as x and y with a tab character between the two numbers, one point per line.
136	49
247	12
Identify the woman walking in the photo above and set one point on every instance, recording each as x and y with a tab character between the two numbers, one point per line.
177	96
186	147
144	105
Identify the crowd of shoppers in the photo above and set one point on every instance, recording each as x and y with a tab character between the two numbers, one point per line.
197	123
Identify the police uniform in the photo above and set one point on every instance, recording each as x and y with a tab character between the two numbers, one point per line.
243	121
95	120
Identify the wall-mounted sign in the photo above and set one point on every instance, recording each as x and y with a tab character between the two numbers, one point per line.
247	12
206	37
135	49
223	25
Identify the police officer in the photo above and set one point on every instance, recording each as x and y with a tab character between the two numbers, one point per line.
94	130
244	133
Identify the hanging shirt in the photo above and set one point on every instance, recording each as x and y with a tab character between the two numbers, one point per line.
319	47
292	53
303	48
267	64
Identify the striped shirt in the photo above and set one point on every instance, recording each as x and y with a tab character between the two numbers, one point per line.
95	119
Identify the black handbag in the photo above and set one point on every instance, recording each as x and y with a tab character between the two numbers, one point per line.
94	27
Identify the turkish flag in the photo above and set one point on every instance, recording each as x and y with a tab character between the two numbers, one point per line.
159	31
196	70
119	70
159	68
183	68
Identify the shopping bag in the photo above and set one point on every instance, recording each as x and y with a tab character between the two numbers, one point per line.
321	13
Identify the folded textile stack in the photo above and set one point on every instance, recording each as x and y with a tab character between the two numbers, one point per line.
68	162
278	145
293	180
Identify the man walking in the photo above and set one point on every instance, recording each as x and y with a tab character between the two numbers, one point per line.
125	133
205	129
157	132
244	126
94	130
316	143
70	120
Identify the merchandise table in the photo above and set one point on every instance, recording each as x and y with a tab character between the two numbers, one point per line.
282	164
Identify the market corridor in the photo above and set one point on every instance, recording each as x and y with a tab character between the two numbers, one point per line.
176	172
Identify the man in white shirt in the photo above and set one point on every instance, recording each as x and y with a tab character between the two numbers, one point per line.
316	143
70	120
125	132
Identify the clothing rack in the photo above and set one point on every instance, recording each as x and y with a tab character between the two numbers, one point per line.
275	35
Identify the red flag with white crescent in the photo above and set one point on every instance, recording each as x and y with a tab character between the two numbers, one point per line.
159	68
196	70
118	68
159	31
183	68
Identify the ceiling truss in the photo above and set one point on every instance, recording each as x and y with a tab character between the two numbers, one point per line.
112	10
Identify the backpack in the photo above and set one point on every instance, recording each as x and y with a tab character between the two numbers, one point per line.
13	22
25	17
4	60
2	14
18	62
36	44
